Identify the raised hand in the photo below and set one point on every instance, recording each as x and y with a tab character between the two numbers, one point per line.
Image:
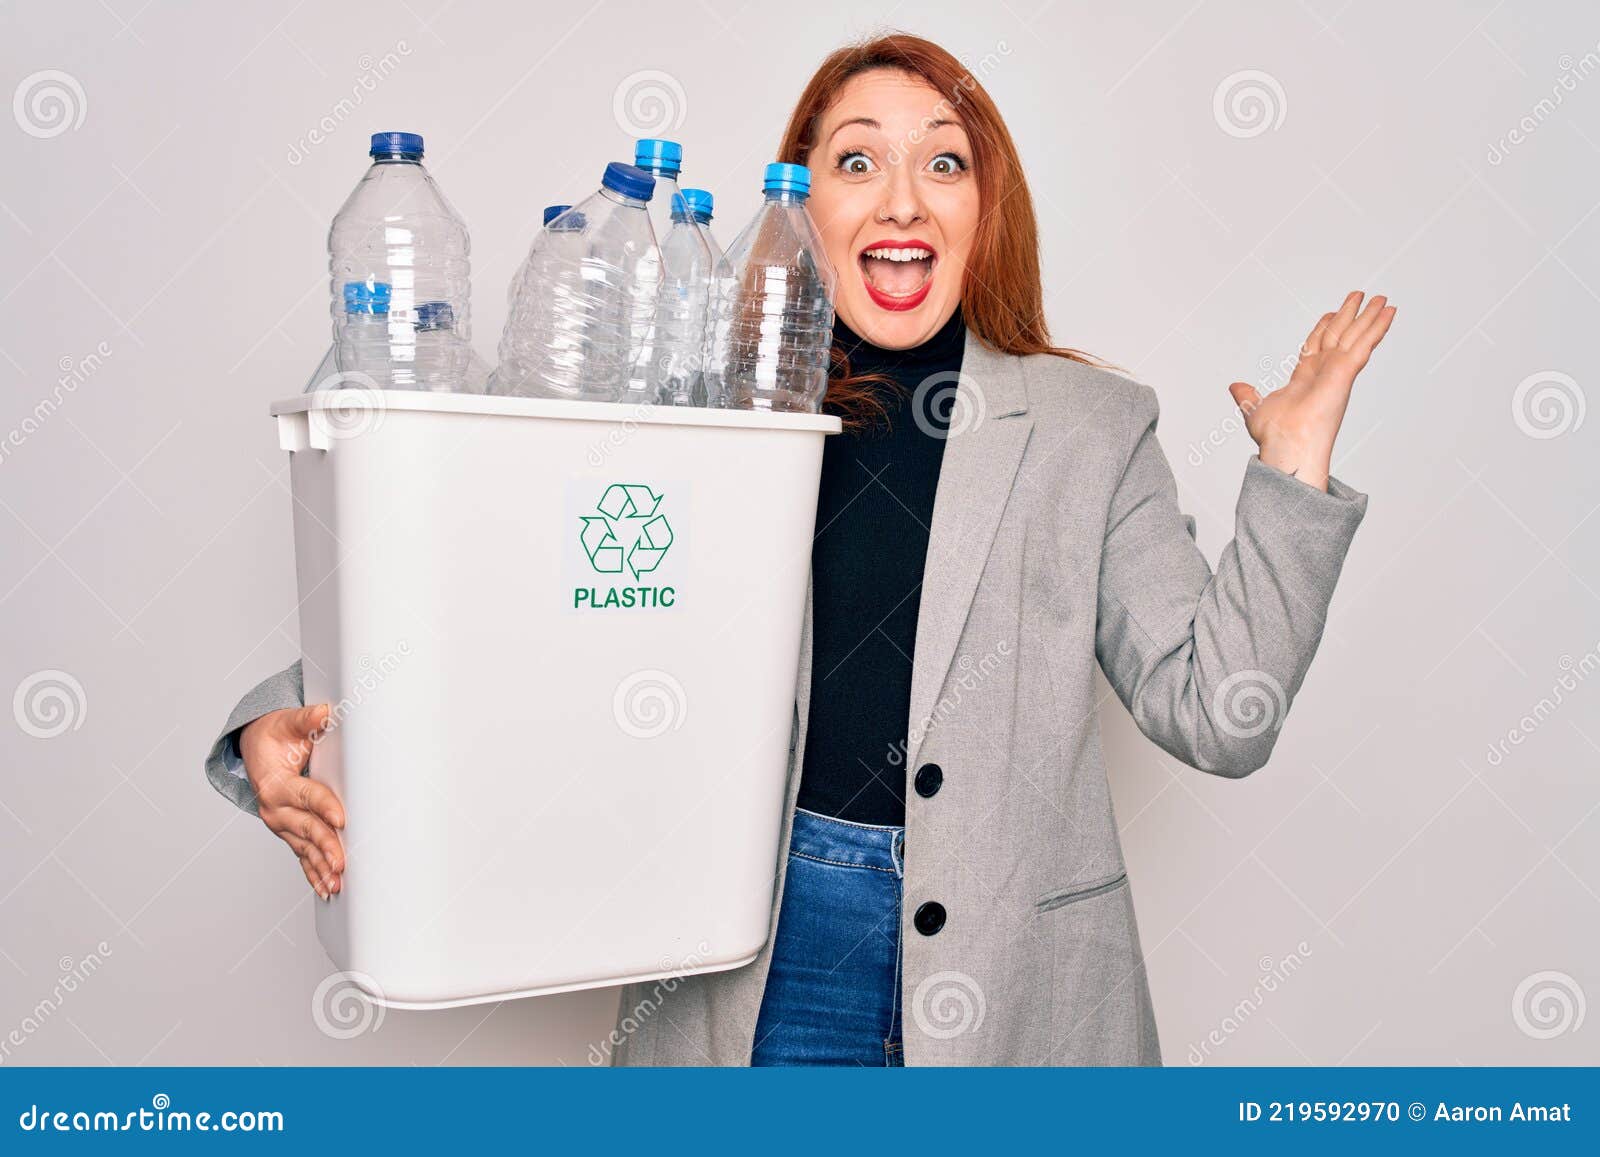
1296	424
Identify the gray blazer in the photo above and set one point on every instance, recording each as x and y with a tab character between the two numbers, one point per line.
1057	543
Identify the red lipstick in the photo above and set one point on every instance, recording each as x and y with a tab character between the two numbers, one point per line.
889	301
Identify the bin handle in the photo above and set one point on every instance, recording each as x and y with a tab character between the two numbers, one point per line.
304	430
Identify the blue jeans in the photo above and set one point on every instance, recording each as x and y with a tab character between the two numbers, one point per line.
833	992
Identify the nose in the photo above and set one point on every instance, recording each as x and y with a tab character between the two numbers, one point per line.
901	201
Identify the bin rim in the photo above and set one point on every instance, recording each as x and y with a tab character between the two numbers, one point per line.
354	399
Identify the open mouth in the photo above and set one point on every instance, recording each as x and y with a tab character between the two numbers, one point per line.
898	274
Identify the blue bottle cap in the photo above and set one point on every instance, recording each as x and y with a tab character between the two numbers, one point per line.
658	156
407	145
359	297
782	178
435	315
569	223
629	180
551	212
700	204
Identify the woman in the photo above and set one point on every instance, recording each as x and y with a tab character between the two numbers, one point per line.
997	518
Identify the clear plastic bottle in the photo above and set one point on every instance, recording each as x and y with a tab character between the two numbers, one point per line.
671	348
560	244
774	328
399	256
361	339
590	278
681	310
514	286
701	204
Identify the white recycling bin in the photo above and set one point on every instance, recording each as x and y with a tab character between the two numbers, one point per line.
561	642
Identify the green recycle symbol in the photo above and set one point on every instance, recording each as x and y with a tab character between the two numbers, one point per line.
626	531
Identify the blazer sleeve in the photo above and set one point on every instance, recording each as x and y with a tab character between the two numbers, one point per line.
224	764
1208	664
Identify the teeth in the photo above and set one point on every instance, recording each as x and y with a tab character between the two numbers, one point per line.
899	254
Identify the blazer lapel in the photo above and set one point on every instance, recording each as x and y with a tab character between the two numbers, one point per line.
989	430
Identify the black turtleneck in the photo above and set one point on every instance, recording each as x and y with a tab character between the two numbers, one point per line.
873	513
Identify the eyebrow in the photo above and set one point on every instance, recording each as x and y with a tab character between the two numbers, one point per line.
872	124
868	121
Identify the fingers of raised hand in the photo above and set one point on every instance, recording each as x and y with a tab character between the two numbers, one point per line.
1341	320
1368	329
1313	341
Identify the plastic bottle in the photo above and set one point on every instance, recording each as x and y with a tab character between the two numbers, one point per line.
701	204
551	212
774	325
559	243
589	281
399	256
682	314
361	342
564	241
671	349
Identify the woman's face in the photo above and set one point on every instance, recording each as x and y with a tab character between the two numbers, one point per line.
895	198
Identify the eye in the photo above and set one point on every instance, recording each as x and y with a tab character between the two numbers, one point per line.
854	161
948	164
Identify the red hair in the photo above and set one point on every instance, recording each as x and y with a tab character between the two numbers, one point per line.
1002	298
